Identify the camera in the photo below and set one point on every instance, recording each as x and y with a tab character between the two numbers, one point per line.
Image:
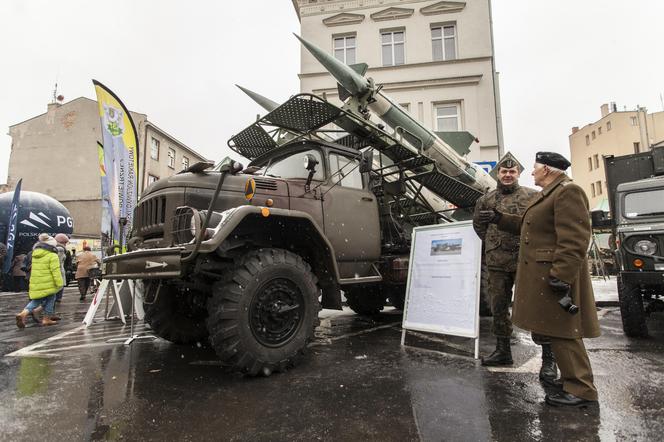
566	303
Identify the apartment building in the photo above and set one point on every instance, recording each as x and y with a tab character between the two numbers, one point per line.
434	58
615	133
56	154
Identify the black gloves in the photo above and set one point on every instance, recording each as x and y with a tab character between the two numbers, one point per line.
563	289
490	216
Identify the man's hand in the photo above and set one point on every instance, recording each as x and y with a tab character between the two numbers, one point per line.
490	216
558	287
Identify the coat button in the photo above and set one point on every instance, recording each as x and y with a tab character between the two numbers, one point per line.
525	262
526	242
527	222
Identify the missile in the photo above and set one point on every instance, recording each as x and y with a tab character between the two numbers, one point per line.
262	101
369	97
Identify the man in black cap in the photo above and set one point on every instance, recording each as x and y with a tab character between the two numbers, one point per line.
554	295
501	250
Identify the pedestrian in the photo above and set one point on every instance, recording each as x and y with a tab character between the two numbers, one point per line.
18	274
62	241
501	250
45	280
555	234
86	260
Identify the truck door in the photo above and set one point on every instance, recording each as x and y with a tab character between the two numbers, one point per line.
350	213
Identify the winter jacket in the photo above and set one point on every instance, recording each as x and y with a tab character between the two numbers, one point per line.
85	261
45	277
62	254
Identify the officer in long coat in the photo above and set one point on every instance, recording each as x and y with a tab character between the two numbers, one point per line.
501	250
555	233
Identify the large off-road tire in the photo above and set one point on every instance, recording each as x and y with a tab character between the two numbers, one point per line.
261	320
173	316
631	309
365	300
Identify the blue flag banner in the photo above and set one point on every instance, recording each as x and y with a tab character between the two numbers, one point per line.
12	226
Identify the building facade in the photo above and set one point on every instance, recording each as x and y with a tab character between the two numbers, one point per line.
615	133
56	154
434	58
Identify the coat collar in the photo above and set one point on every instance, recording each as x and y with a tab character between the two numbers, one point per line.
548	189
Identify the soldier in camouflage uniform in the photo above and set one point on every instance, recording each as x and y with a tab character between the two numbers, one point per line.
501	251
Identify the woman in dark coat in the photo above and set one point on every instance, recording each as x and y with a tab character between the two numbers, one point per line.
555	233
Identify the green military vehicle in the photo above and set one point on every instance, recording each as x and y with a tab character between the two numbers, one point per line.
635	185
245	257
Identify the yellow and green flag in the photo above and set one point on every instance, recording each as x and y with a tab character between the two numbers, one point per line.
118	163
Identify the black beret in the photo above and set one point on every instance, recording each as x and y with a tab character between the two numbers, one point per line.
552	159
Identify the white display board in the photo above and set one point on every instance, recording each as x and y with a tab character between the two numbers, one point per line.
442	294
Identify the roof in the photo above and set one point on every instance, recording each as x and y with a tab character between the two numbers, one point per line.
641	184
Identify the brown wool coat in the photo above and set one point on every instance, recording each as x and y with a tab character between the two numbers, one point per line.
555	233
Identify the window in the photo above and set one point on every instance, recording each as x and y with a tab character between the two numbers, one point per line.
587	140
637	147
345	171
608	126
344	49
592	189
598	186
154	149
593	135
185	163
599	130
447	118
596	160
152	179
646	203
633	121
392	44
293	166
171	158
590	163
443	42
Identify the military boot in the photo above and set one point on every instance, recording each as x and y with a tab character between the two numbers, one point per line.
501	356
549	370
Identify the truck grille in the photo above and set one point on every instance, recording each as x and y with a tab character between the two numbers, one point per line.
150	217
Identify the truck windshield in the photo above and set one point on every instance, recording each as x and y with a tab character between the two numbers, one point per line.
292	166
645	203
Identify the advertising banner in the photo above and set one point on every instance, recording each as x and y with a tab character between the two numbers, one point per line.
12	227
107	214
120	160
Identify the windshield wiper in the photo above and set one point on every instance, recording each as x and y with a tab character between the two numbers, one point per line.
650	214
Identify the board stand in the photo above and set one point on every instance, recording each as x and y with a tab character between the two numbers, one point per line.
122	291
476	346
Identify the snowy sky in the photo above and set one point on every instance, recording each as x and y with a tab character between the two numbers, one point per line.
178	62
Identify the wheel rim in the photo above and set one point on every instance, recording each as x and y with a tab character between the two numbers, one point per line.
276	312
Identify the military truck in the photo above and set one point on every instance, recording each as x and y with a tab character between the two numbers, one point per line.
635	187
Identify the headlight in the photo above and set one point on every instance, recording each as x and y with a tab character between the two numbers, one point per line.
645	247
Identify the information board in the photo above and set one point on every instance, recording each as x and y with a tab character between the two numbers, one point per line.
442	294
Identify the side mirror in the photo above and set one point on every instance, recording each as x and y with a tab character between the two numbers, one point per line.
310	162
366	161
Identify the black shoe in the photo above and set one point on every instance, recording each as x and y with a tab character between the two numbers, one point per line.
82	298
564	399
501	356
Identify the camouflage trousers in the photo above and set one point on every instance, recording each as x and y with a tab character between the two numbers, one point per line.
500	293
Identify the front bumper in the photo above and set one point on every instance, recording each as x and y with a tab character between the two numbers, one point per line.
643	278
162	263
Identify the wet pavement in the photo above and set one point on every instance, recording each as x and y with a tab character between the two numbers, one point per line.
67	382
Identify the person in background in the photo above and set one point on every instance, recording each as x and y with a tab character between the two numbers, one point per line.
85	261
45	280
62	241
18	274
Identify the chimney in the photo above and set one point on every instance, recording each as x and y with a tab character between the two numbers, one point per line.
614	108
605	110
50	107
575	129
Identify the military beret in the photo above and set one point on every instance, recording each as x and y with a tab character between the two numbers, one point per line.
552	159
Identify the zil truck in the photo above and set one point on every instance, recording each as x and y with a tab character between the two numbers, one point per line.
245	257
635	187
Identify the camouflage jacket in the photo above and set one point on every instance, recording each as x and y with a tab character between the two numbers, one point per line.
501	248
